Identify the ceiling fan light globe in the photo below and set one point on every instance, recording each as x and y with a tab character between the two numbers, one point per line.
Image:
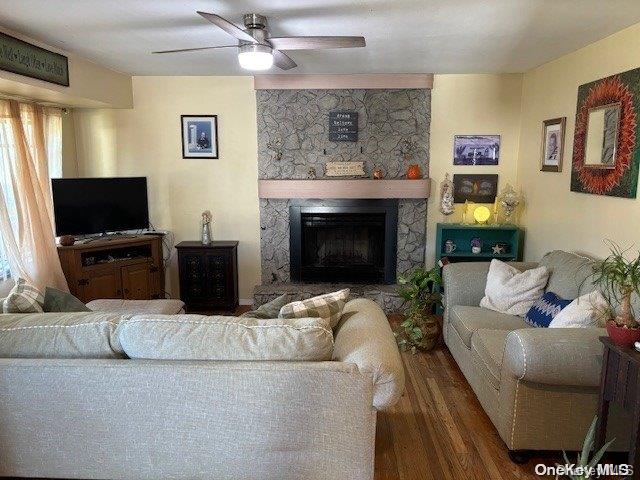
255	57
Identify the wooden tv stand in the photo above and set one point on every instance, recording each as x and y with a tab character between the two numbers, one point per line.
130	267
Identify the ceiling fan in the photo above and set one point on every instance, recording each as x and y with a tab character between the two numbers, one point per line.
257	50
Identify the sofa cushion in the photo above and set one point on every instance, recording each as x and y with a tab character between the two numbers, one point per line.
466	320
328	306
588	310
569	273
197	337
508	290
487	347
269	309
23	298
545	309
134	307
58	301
60	335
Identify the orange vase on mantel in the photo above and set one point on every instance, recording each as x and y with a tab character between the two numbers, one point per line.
413	172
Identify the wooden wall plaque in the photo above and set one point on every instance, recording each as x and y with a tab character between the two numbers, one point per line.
344	169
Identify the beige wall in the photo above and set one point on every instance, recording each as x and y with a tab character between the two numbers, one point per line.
554	216
471	104
146	141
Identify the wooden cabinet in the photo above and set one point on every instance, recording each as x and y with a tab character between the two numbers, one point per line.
208	276
129	267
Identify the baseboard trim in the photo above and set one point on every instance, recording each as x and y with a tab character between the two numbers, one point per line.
246	301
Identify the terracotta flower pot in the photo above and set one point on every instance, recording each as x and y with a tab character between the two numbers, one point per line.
413	172
625	337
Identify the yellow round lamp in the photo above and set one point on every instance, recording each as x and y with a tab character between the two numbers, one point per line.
481	214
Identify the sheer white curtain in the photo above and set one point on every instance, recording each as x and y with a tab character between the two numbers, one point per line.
30	155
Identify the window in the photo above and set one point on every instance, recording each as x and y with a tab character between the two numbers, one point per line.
8	153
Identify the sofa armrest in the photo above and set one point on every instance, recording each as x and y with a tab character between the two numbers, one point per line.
364	337
555	356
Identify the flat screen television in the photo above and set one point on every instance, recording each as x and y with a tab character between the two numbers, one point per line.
85	206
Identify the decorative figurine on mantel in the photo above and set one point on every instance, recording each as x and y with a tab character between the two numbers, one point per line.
311	173
446	196
509	201
207	218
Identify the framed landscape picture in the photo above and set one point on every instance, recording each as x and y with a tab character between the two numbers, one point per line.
476	149
199	136
475	188
552	144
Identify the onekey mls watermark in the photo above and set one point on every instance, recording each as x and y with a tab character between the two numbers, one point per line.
571	470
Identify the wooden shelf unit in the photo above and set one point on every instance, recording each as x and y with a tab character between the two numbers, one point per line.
130	267
461	235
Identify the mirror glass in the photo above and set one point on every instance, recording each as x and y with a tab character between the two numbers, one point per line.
602	136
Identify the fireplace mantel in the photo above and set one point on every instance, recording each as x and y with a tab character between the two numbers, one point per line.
324	189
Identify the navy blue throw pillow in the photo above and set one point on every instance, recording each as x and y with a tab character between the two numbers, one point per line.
543	311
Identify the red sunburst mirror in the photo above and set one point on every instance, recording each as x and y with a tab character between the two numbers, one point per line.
606	156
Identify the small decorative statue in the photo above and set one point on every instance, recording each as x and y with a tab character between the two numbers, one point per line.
275	145
446	196
207	218
311	173
407	149
509	201
378	173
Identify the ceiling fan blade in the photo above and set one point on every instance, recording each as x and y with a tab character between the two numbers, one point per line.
282	61
228	27
194	49
314	43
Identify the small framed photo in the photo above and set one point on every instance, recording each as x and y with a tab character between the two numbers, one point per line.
199	136
476	149
552	144
474	188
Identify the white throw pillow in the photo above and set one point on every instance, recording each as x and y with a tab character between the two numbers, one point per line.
584	311
511	291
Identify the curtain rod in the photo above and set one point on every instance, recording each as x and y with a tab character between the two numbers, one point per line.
20	98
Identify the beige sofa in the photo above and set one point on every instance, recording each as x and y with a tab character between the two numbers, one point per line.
149	419
539	386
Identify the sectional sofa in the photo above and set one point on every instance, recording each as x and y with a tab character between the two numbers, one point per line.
86	410
539	386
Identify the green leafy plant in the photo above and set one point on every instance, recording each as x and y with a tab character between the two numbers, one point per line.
587	466
420	328
619	278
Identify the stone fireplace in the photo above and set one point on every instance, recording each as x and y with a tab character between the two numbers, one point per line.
364	242
343	241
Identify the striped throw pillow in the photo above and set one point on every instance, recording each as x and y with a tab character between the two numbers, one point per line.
328	306
23	298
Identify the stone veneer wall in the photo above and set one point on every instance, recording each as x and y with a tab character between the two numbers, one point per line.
293	135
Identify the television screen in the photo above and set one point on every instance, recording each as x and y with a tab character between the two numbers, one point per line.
83	206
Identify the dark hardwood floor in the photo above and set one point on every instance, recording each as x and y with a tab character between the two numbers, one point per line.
438	430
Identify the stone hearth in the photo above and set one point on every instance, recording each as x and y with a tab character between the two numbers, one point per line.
383	295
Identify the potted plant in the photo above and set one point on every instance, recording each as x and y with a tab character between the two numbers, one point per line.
619	278
584	464
420	328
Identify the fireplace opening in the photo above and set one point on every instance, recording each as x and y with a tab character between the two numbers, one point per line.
344	241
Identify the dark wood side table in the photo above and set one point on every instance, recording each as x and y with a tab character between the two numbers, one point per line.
208	276
619	384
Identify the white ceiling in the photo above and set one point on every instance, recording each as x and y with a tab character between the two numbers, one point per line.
403	36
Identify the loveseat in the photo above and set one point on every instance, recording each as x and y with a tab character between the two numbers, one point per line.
539	386
115	417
